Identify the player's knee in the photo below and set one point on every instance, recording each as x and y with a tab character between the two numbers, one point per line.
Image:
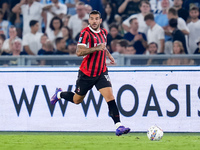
78	101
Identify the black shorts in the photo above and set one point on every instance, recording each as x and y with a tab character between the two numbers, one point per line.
85	83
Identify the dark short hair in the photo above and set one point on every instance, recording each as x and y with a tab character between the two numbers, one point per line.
146	2
193	7
173	23
173	11
149	16
32	23
153	43
123	43
130	21
95	12
86	21
58	40
12	26
113	25
51	23
3	37
70	32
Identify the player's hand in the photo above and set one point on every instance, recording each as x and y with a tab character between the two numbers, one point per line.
101	47
112	60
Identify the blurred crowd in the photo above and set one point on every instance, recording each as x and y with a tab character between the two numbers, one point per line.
135	27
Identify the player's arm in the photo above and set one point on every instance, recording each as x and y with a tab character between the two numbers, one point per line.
82	50
112	60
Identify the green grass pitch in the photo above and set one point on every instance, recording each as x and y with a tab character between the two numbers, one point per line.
96	141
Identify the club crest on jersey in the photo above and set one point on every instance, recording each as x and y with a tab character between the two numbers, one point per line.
80	39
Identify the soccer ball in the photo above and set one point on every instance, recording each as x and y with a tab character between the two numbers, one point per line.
155	133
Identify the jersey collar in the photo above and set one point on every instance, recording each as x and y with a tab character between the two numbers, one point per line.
93	30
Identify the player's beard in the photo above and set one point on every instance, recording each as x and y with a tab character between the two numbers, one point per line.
95	28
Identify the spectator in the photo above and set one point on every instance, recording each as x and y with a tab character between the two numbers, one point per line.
162	20
113	45
116	4
1	44
194	27
137	39
129	7
4	24
71	4
178	49
18	23
76	20
31	10
162	16
88	8
188	3
183	13
72	47
85	23
43	40
114	34
172	13
155	33
95	4
197	51
55	29
66	35
6	11
130	50
156	5
177	35
31	41
66	20
47	49
16	47
152	50
108	16
56	9
60	46
7	43
2	37
120	47
145	9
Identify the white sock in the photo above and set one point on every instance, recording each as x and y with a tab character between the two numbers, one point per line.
118	124
58	95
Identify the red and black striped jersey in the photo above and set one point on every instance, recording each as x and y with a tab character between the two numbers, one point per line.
95	63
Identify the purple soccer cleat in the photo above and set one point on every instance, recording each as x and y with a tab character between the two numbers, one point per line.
54	98
122	130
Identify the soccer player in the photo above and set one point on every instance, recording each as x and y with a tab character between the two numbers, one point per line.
93	70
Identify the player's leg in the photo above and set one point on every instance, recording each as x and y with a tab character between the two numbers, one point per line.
105	88
83	84
69	96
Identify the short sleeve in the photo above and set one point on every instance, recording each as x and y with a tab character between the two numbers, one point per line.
161	34
182	25
83	38
25	40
